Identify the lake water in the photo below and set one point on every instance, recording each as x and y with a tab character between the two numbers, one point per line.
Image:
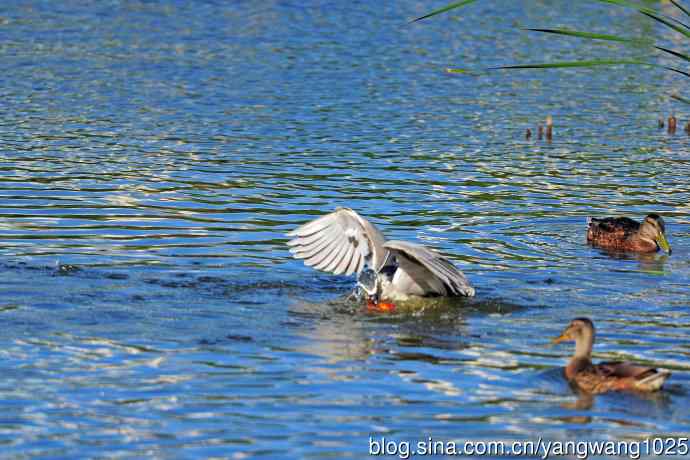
156	153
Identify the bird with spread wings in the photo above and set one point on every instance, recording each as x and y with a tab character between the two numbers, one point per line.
345	243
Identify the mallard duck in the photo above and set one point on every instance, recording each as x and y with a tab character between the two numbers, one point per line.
623	234
608	376
343	243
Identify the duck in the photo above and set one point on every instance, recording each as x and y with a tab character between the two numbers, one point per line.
625	234
607	376
345	243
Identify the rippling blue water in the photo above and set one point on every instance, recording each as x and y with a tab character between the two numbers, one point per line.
156	153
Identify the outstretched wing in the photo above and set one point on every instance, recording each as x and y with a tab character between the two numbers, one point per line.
341	242
429	269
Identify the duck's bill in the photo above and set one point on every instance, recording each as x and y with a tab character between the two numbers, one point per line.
559	339
663	243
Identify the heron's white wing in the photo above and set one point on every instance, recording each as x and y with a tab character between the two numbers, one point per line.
341	242
426	267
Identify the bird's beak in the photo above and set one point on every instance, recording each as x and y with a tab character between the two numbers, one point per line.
663	243
561	338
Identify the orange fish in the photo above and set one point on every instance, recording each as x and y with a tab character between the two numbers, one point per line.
380	307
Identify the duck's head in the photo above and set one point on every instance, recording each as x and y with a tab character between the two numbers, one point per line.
579	330
654	229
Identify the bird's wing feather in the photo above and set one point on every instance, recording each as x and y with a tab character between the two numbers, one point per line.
435	265
341	242
623	370
617	228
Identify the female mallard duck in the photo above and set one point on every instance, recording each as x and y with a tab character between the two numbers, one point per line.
623	234
603	377
343	242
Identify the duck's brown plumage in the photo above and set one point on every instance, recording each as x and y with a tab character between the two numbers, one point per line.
616	376
606	376
624	234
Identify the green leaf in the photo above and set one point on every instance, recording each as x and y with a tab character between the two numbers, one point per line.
680	7
679	98
566	64
444	9
463	71
591	63
672	69
675	53
638	6
652	13
682	30
594	36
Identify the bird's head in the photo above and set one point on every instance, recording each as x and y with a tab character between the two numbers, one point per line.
654	229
